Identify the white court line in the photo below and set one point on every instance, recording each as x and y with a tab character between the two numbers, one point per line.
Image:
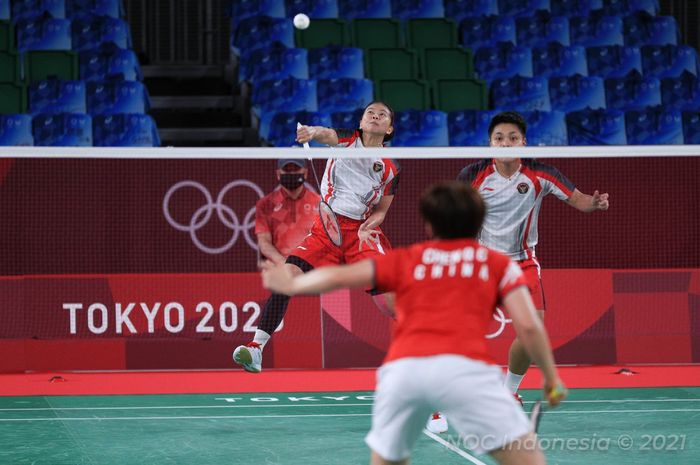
197	417
202	417
265	405
171	407
453	448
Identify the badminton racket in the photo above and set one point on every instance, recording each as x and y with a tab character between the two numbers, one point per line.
329	220
559	392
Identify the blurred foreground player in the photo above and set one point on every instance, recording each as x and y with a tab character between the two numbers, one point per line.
446	292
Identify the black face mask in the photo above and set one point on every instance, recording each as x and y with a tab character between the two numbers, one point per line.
291	180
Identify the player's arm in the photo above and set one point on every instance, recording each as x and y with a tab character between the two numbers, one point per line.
268	249
588	203
533	336
320	134
367	233
278	278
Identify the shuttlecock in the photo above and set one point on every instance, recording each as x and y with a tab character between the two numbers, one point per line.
301	21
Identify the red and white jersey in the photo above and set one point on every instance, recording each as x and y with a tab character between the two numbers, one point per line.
352	187
513	204
446	293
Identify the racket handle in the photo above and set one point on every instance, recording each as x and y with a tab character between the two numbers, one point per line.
305	144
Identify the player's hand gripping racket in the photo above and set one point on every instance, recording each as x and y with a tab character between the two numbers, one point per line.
328	219
554	397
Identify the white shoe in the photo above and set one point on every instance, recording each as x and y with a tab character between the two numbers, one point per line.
249	357
437	423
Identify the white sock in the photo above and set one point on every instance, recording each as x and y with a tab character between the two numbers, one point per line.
261	337
513	381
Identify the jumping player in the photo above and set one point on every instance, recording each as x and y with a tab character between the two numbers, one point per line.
446	292
360	192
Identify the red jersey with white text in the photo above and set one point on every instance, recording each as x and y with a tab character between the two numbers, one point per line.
288	220
513	204
446	293
352	187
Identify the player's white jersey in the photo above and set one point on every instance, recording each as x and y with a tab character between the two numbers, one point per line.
353	187
513	204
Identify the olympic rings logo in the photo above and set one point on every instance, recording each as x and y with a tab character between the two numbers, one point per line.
225	214
500	317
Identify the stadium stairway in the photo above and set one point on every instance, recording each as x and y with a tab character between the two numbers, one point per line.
196	106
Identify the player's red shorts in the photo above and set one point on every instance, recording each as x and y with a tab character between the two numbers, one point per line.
317	249
531	270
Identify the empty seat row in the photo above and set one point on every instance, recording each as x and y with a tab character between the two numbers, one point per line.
292	94
47	33
656	125
76	129
458	9
506	60
18	10
109	61
93	97
578	92
347	62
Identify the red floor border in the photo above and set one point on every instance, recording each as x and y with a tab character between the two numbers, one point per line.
203	382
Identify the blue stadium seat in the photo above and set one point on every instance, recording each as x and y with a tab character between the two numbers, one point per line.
90	32
347	119
125	130
336	62
556	60
56	96
596	127
62	129
352	9
80	8
541	29
546	128
415	128
613	60
503	61
691	127
288	94
575	93
406	9
596	30
276	62
521	94
111	97
633	92
262	32
283	127
345	94
573	8
625	7
109	61
682	92
33	9
654	126
313	8
240	10
643	29
460	9
669	60
43	34
519	8
16	130
469	127
486	31
5	10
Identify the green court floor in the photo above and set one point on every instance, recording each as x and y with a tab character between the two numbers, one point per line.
596	426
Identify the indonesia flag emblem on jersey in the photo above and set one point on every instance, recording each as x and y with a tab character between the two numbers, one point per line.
377	167
523	188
